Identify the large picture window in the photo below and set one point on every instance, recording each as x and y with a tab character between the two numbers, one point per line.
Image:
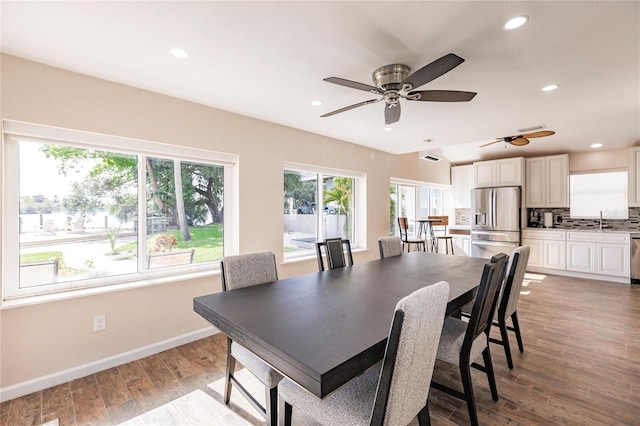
319	204
599	193
88	217
415	200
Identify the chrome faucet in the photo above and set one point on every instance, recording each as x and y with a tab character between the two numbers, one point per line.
601	220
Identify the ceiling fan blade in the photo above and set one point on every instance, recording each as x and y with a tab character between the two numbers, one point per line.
491	143
391	115
519	141
442	96
539	134
433	70
338	111
352	84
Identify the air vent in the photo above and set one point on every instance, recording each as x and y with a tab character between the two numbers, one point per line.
532	129
432	155
430	158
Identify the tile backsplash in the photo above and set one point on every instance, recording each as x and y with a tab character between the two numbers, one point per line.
463	217
561	220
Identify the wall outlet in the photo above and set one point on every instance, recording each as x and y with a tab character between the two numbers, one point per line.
100	322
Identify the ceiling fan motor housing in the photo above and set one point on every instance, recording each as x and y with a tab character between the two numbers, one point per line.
389	77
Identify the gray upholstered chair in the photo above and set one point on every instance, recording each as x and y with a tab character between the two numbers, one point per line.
337	252
389	246
246	270
461	343
393	391
508	305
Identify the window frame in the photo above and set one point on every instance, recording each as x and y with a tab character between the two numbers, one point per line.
14	131
447	199
625	193
359	203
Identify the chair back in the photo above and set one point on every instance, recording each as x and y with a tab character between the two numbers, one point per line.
444	222
403	226
246	270
389	246
512	286
403	388
485	304
335	249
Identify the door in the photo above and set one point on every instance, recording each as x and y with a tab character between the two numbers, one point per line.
506	205
613	259
554	254
581	256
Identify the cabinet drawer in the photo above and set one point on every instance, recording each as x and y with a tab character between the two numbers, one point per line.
544	235
599	237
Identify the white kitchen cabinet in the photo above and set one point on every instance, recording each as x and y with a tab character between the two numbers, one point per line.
547	181
462	183
581	256
505	172
462	242
613	259
634	177
536	254
548	248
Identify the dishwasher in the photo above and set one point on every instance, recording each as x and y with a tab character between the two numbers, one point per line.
635	258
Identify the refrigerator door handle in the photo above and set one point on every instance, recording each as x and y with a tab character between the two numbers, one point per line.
494	208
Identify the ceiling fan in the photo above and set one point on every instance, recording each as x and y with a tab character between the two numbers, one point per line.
521	140
393	83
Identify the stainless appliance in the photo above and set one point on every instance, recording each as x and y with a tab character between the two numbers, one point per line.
635	258
495	220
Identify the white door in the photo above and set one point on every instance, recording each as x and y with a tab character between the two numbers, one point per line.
613	259
554	255
557	187
536	182
581	256
536	254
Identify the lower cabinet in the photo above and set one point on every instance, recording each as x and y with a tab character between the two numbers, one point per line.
601	253
462	242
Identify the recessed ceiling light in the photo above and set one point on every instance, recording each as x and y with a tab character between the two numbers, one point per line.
550	87
179	53
388	129
316	103
516	22
596	145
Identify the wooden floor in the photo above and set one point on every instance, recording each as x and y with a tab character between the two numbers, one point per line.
581	366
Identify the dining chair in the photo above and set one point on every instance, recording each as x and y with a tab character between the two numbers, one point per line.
239	271
403	226
393	391
337	252
461	343
444	236
508	305
389	246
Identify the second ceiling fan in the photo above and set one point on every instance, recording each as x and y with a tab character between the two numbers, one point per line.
521	140
393	82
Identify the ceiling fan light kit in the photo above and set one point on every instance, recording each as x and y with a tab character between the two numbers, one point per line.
393	82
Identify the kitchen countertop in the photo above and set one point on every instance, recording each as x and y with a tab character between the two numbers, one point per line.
605	231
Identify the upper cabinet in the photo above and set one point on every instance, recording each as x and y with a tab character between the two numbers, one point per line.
462	182
506	172
634	177
547	183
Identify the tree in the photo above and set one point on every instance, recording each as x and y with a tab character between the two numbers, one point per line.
342	195
182	220
303	193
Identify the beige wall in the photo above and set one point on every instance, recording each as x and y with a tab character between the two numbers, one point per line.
599	159
47	338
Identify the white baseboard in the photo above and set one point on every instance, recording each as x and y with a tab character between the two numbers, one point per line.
24	388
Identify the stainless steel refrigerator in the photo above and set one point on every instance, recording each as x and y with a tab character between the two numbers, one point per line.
495	220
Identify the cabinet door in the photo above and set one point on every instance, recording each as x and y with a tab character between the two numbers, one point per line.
462	181
613	259
484	173
466	245
634	177
535	182
581	256
557	186
536	254
554	254
509	172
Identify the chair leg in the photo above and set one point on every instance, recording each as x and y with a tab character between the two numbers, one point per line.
502	325
286	411
423	416
271	406
488	365
231	366
465	375
516	326
451	241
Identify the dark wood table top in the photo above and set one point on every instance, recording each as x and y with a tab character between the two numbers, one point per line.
323	329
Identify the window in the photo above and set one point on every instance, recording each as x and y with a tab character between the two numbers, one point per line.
85	214
416	200
318	204
592	193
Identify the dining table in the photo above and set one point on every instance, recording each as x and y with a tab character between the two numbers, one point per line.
323	329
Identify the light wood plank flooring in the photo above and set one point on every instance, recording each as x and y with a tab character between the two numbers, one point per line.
581	366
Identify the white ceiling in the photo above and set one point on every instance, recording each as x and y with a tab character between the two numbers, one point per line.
267	60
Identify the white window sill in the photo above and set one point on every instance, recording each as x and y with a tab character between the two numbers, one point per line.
103	289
